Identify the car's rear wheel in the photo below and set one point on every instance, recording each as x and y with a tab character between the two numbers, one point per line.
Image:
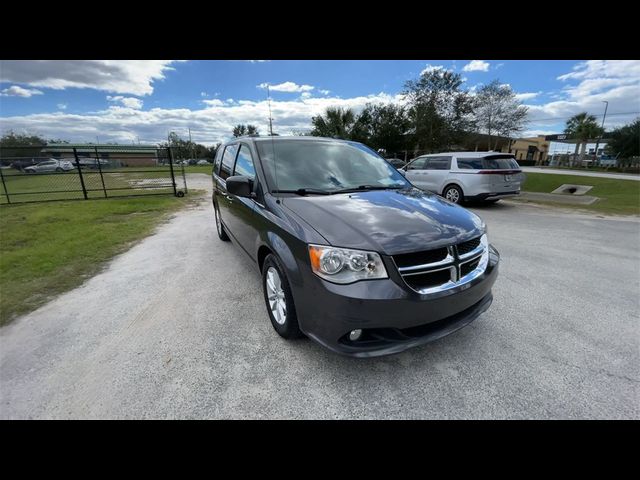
453	193
222	235
58	169
279	299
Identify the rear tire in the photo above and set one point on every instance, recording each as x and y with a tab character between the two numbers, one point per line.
58	169
453	193
279	299
222	235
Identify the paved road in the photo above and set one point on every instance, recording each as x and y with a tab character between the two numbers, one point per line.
618	176
176	328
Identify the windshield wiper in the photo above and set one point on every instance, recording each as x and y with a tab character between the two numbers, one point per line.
304	191
369	187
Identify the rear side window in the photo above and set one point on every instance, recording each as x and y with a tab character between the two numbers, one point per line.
488	163
438	163
417	164
244	163
228	160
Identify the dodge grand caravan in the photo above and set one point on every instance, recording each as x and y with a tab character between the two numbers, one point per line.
351	254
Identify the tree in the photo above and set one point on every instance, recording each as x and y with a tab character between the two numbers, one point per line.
16	144
336	122
382	127
241	130
498	112
439	111
582	127
625	141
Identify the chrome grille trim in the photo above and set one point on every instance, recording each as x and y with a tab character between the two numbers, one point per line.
454	263
428	266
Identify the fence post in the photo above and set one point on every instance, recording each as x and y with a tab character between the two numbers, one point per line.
84	190
4	185
100	169
173	177
184	179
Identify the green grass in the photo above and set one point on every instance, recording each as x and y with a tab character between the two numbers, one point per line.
616	196
24	187
49	248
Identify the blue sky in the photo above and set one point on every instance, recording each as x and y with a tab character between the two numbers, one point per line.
123	100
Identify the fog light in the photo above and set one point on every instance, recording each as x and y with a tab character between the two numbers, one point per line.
355	335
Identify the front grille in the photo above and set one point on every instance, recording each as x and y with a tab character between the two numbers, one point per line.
469	246
467	268
428	279
420	258
439	269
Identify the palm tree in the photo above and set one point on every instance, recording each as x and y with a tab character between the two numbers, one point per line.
582	127
336	122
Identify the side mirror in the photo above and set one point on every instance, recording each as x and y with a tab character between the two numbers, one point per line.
240	186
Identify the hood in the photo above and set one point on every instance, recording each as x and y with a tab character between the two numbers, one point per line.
387	221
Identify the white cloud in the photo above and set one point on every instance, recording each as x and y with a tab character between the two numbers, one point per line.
16	91
500	65
431	68
208	125
305	95
476	66
62	106
325	92
134	77
128	102
204	94
588	85
527	95
289	87
214	102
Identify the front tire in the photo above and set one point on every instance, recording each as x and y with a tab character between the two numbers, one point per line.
279	299
222	235
453	193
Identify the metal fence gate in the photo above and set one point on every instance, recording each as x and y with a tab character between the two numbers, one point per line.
37	174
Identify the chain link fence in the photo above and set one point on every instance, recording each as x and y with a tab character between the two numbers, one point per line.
38	174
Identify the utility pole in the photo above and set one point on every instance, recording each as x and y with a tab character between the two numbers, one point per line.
595	156
190	143
270	119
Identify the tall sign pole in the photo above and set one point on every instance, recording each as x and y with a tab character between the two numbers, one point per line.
270	119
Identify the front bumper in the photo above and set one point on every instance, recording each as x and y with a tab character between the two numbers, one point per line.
392	316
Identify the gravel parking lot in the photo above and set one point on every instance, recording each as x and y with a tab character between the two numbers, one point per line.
177	328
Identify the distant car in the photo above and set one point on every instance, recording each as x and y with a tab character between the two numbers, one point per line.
93	163
203	162
51	165
396	162
467	176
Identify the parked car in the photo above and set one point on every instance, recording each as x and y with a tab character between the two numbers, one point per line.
467	176
51	165
396	162
88	162
351	254
204	162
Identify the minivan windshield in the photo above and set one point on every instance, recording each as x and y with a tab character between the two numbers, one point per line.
322	166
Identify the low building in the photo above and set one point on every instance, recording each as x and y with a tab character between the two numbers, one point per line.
534	150
117	155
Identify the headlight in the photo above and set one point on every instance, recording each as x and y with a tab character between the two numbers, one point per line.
343	265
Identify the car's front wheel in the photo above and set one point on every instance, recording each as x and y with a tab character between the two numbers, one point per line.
453	193
222	235
279	299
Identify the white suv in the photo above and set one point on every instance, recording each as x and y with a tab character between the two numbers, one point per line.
467	176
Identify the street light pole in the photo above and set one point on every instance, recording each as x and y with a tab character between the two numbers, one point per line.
595	157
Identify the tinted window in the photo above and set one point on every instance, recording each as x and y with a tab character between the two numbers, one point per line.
218	160
228	159
438	163
417	164
244	163
488	163
324	165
